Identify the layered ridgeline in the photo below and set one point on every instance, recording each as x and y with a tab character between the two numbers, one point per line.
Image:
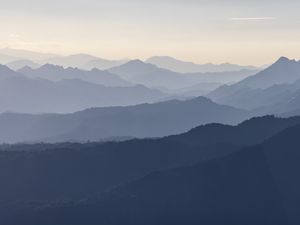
150	75
18	93
180	66
273	90
138	72
217	179
58	73
16	59
144	120
186	82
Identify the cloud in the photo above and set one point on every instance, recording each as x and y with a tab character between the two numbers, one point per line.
251	18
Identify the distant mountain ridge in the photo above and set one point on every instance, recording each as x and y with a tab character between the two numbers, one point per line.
282	71
58	73
176	65
145	120
150	75
273	90
88	62
19	93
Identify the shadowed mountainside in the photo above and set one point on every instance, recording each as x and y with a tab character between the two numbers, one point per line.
145	120
252	185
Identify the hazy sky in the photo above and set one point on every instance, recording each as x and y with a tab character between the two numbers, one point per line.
237	31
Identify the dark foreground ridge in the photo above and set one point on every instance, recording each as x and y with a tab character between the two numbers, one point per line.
249	176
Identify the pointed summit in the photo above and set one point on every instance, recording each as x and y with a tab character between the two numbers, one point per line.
283	60
283	71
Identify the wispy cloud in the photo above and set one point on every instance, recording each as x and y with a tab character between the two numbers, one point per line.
251	18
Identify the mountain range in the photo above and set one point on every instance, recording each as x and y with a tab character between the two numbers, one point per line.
150	75
179	66
273	90
19	93
17	59
140	121
58	73
247	176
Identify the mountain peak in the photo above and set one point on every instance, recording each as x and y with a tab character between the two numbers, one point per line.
284	60
137	65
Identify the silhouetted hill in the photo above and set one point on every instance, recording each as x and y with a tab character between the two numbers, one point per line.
179	66
74	171
249	132
57	73
145	120
254	185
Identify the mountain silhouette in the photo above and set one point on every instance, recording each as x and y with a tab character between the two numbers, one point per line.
253	185
58	73
283	70
145	120
270	89
75	171
150	75
22	94
179	66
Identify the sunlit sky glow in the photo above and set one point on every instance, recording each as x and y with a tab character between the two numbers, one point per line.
238	31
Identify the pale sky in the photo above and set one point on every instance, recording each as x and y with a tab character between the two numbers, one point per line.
238	31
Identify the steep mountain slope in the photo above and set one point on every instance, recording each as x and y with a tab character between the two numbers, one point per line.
282	71
57	73
145	120
277	85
